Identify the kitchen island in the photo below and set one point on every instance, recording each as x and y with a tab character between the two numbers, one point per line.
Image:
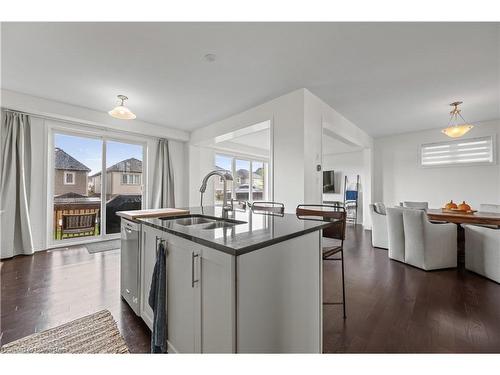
248	283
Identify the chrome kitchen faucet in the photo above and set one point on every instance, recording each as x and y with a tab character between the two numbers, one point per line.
225	176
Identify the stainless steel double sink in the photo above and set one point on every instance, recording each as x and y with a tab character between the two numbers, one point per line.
203	222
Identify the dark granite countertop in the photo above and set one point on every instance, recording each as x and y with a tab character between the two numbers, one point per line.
258	231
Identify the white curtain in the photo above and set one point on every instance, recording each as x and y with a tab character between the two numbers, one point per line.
16	235
163	179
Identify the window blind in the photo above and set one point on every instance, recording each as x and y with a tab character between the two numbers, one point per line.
458	152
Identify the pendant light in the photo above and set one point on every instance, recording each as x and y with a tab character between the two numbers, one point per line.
457	126
122	112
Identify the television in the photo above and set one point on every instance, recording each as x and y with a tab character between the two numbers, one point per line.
328	182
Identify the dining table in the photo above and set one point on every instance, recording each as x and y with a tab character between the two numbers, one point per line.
459	218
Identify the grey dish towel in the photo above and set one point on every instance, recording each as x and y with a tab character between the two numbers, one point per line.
157	301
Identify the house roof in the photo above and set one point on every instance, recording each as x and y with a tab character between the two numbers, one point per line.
128	165
63	160
241	172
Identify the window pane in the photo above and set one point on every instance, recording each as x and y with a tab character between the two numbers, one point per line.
259	172
69	178
77	206
242	180
222	163
123	161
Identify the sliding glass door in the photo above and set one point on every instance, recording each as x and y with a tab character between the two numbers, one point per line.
76	206
84	199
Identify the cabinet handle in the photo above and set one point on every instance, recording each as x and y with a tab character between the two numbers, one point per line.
193	281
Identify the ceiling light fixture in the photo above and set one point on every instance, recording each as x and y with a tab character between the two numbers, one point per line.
122	112
457	126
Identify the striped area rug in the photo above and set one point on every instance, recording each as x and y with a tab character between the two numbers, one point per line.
92	334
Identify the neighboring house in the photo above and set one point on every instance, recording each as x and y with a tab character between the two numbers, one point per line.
242	181
70	174
123	178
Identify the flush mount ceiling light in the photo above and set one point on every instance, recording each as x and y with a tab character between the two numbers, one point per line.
457	126
122	112
210	57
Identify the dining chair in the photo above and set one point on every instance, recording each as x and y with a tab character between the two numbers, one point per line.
416	205
395	233
379	225
482	251
336	231
428	246
489	207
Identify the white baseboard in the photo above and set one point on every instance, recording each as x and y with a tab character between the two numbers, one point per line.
171	348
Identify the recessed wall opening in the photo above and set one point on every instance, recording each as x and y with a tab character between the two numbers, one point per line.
246	154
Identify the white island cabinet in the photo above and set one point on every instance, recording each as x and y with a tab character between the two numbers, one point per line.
264	301
200	293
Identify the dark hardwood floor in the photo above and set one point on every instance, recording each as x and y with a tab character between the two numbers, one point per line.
391	307
56	286
394	308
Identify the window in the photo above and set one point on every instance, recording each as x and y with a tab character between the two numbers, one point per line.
459	152
250	179
69	178
131	179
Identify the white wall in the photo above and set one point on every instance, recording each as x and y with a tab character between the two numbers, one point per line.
85	119
398	176
348	164
313	132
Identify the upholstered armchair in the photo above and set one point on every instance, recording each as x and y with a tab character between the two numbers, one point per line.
379	225
395	233
482	251
428	246
489	208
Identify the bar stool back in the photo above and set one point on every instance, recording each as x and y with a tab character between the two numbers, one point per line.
268	207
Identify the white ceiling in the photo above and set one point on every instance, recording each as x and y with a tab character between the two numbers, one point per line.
385	77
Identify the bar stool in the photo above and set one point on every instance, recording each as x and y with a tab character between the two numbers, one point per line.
337	215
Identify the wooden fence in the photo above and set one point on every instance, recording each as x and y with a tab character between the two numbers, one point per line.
75	208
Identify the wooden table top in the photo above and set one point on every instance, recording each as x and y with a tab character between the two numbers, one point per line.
484	218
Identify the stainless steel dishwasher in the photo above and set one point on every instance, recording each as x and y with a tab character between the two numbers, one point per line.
130	263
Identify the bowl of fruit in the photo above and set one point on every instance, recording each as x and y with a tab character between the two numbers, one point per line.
460	208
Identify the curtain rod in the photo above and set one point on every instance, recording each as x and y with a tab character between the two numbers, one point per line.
102	128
